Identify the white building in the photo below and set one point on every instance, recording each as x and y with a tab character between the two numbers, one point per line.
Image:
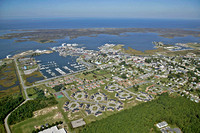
162	124
53	130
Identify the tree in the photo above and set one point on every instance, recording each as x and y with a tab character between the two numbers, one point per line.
124	76
165	108
58	87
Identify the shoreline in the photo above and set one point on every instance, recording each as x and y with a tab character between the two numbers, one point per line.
158	50
50	35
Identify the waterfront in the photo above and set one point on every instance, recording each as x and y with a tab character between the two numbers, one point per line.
54	65
138	41
51	62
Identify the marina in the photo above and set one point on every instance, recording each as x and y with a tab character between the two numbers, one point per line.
60	71
66	68
142	42
52	65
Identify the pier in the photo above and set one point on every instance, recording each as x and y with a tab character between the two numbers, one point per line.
60	71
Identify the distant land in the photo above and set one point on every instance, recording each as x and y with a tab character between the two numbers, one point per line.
49	35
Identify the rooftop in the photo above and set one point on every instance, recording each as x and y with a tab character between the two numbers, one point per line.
53	129
78	123
162	124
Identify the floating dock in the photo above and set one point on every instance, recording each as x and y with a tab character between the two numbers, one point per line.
60	71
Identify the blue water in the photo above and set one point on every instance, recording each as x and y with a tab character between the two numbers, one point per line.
33	79
59	60
139	41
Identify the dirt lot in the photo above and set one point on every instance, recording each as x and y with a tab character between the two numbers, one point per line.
44	111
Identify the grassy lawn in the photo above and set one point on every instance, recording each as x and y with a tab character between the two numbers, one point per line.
70	85
88	76
81	113
90	118
144	86
110	95
102	72
67	117
61	102
33	93
50	117
91	92
49	88
91	76
131	103
77	115
27	126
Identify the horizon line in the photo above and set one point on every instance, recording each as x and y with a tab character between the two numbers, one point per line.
43	18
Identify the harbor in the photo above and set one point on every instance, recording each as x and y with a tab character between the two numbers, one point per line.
53	65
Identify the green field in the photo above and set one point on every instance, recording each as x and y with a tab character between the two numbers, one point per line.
27	126
32	93
95	75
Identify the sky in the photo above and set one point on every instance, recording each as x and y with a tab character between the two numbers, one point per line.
166	9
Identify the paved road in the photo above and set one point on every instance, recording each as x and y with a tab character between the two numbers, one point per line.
75	73
6	119
126	89
24	87
27	98
66	94
42	81
89	83
21	80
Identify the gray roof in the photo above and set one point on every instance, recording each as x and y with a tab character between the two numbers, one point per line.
78	123
176	130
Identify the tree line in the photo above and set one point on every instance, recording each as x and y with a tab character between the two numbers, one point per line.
8	103
178	111
26	110
59	87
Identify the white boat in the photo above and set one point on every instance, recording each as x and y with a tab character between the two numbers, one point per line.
41	68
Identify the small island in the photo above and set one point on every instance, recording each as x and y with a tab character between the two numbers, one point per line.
163	49
49	35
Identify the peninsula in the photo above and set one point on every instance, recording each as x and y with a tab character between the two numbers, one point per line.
49	35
